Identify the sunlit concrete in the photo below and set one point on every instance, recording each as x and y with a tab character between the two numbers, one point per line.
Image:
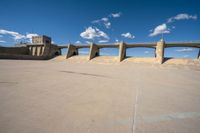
62	96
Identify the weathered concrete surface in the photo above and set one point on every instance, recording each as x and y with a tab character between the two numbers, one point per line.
62	96
122	51
94	51
160	51
72	50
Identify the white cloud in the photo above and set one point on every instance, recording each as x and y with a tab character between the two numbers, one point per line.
2	41
128	35
115	15
182	16
92	33
185	56
88	42
17	36
78	42
146	52
107	25
185	50
116	40
160	29
102	41
105	19
30	35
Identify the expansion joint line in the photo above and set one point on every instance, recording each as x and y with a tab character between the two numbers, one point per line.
135	110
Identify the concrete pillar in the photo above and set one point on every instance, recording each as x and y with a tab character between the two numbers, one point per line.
160	51
47	49
38	50
41	49
30	50
94	51
72	50
33	50
199	54
122	51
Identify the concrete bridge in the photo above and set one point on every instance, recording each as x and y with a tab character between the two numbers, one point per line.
42	48
159	49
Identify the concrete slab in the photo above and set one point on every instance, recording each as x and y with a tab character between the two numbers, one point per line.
66	96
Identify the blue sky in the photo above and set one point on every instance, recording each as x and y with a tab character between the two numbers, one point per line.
109	21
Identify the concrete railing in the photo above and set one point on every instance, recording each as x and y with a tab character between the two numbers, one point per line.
159	49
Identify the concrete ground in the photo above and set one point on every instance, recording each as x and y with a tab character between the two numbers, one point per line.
62	96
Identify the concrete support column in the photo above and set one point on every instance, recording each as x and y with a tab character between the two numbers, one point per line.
38	50
30	50
160	51
47	49
122	51
33	51
199	54
41	49
94	51
72	50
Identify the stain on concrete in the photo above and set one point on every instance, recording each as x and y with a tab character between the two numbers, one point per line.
86	74
169	117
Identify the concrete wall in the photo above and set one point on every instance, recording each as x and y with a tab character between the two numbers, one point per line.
32	52
14	50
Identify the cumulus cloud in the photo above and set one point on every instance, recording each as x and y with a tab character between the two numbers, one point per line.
116	15
103	41
182	16
107	25
127	35
30	35
185	50
88	42
17	36
160	29
78	42
92	33
104	21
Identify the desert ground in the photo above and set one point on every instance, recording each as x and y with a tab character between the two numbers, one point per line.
99	96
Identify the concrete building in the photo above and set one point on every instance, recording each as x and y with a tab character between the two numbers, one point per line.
41	39
40	48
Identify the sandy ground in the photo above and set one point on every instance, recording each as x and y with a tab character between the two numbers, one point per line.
77	96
